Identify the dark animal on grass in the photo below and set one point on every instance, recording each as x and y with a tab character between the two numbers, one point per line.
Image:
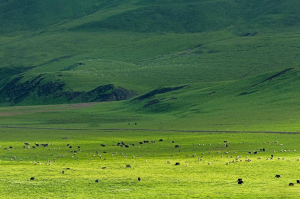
70	147
161	140
240	182
126	146
255	152
177	163
298	181
96	180
37	145
291	184
102	145
32	178
278	176
146	141
141	142
128	166
26	143
139	179
176	146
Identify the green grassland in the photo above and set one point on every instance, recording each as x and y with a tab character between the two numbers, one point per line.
196	72
213	172
142	45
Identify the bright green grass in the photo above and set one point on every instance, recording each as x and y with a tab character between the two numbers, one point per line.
193	178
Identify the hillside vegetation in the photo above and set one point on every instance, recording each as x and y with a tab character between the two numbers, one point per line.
182	58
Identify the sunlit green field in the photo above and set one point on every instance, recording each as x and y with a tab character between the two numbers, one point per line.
207	167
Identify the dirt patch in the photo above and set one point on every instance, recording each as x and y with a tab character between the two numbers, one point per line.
51	108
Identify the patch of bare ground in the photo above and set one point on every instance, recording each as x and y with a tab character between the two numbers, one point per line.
42	109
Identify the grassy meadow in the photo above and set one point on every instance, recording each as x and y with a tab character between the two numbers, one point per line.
193	72
213	172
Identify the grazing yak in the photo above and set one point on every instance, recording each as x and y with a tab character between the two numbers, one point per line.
240	181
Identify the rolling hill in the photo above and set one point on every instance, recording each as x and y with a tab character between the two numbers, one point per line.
183	58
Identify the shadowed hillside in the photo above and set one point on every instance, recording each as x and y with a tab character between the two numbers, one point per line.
52	52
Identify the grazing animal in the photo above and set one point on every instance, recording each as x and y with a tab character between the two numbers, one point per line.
177	163
161	140
139	179
240	181
26	143
278	176
146	141
176	146
96	180
32	178
298	181
291	184
128	166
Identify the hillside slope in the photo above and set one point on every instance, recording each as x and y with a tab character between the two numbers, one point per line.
55	52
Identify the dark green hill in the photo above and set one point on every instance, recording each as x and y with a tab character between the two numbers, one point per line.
31	15
65	51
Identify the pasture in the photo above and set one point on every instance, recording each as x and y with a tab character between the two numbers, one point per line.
207	167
